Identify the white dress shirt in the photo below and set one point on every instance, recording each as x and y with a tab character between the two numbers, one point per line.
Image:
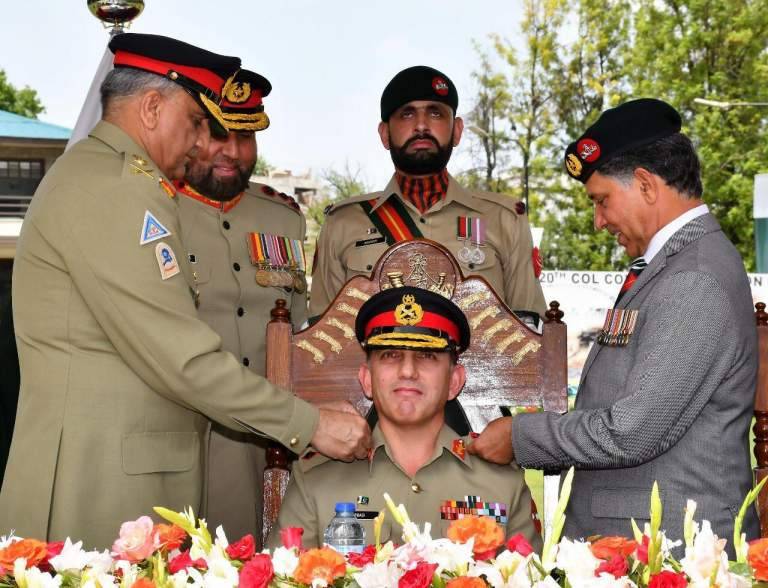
663	235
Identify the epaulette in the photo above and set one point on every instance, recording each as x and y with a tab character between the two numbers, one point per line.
135	165
505	200
331	208
311	459
273	194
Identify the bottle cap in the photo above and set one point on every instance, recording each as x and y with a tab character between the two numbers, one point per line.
345	507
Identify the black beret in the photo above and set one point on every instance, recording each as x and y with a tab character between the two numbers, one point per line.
411	318
200	72
628	126
418	83
241	105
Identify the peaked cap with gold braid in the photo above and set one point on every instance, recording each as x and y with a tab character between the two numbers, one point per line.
241	104
411	318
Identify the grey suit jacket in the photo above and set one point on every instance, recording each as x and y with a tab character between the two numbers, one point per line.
673	406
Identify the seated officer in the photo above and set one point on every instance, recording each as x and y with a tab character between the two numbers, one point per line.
412	339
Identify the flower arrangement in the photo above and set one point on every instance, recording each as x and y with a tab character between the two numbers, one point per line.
475	554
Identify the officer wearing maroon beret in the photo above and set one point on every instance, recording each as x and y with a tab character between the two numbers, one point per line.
120	378
413	339
666	394
488	233
244	242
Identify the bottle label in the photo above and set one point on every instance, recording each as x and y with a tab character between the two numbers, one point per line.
345	549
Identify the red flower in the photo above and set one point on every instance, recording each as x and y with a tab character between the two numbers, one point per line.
519	544
257	572
419	577
51	550
757	556
143	583
291	537
32	550
170	536
607	547
642	550
243	549
486	532
616	566
466	582
361	559
667	579
183	561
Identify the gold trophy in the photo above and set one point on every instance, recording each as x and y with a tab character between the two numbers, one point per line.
116	14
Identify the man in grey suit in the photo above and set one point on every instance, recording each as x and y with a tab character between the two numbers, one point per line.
666	392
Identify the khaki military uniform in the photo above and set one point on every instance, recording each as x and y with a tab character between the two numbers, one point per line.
451	483
238	309
349	245
120	377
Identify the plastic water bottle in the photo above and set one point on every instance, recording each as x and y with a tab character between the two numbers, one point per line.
344	533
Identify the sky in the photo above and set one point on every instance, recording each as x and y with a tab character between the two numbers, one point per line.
328	62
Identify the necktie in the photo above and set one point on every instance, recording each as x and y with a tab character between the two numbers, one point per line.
635	269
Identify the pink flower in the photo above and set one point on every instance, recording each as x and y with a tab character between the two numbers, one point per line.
360	560
183	561
291	537
519	544
642	550
138	540
617	566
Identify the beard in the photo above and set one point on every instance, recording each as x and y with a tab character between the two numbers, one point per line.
201	178
421	162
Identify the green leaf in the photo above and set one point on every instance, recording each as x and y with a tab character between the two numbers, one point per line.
553	535
738	538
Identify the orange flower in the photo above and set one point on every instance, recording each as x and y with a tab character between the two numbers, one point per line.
607	547
326	564
466	582
32	550
171	536
143	583
757	556
487	533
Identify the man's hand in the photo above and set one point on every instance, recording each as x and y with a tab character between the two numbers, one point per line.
342	433
494	444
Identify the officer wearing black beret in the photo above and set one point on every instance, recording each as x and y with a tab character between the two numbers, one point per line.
488	233
120	378
413	339
666	392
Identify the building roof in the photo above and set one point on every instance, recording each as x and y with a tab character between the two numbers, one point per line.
20	127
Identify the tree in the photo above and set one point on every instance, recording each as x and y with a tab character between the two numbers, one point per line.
263	167
591	78
24	101
714	49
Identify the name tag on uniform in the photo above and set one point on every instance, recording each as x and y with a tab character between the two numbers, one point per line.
371	241
366	515
618	327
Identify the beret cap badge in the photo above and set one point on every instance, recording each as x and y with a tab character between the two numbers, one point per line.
588	150
573	164
440	86
409	312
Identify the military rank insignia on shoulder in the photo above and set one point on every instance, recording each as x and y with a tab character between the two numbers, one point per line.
281	197
503	200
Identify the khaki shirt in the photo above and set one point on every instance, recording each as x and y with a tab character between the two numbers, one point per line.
119	375
238	309
450	483
349	245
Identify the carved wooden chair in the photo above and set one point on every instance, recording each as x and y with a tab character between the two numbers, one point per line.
508	363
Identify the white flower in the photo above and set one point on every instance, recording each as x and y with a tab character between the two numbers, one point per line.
703	558
547	582
33	577
73	557
221	537
284	561
188	578
6	540
378	574
221	573
603	581
130	572
450	556
492	575
319	583
576	560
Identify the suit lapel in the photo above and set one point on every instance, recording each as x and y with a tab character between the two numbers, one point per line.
686	235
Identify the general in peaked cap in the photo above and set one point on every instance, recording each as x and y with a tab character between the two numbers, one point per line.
201	73
241	105
411	318
419	82
628	126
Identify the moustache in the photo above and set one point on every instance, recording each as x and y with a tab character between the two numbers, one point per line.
415	138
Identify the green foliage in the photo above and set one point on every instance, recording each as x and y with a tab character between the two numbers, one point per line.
586	56
24	101
263	167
